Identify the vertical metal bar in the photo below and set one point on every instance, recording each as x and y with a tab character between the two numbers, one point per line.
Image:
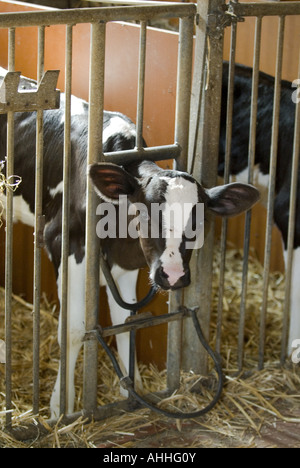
196	108
96	100
132	337
251	161
205	170
141	86
230	100
9	239
183	93
38	229
65	224
291	229
271	194
184	81
174	343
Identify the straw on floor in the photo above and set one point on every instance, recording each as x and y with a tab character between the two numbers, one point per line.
246	406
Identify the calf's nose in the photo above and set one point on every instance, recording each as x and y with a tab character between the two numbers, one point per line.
172	279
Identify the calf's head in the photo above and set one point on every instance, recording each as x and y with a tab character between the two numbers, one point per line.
167	209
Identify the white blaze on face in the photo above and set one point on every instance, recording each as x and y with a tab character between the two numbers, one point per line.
181	196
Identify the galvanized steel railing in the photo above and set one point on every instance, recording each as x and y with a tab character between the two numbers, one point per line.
215	16
202	145
98	18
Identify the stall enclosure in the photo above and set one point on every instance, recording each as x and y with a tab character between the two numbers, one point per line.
215	21
97	19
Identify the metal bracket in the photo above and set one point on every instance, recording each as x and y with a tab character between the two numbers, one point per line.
45	97
221	19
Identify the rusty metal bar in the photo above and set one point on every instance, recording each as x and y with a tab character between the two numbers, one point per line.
141	86
143	321
94	15
291	231
184	82
9	240
174	343
205	171
251	160
230	100
271	194
38	228
155	153
64	397
183	93
264	8
95	127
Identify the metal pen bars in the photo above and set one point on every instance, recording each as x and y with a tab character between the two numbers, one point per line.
98	18
242	10
203	154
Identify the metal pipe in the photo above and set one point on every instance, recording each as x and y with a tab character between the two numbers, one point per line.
182	116
9	240
291	229
264	8
251	161
95	129
94	15
195	114
271	194
155	153
183	93
174	343
205	171
132	337
65	224
141	86
230	100
38	228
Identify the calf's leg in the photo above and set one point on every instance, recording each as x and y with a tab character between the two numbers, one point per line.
75	332
126	282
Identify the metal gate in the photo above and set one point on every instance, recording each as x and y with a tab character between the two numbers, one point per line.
98	19
214	17
197	148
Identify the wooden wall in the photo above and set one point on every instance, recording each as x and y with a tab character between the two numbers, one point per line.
120	94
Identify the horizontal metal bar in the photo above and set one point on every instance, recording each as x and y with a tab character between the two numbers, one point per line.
155	153
95	15
134	2
145	321
264	9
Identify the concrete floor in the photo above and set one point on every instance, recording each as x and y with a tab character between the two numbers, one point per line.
276	434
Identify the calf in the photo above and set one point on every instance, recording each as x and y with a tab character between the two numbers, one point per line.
239	158
139	183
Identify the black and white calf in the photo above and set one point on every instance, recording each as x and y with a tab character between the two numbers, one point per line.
167	258
239	158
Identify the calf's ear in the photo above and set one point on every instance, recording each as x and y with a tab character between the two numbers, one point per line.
232	199
111	181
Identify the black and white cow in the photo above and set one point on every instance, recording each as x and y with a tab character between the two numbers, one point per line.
239	158
167	258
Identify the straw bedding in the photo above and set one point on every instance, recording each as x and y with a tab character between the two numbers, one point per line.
247	404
